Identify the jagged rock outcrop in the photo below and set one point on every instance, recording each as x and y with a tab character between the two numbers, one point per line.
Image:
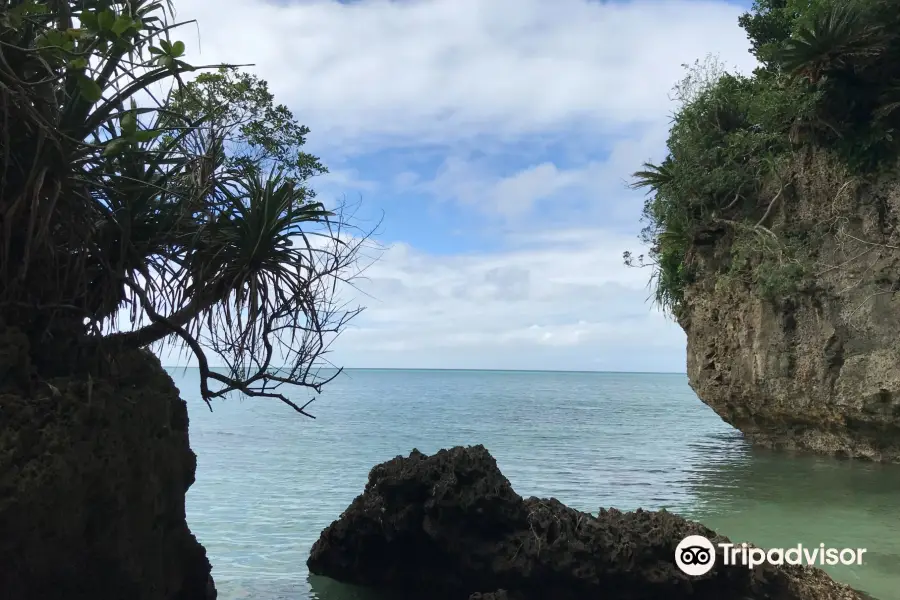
94	467
818	369
450	526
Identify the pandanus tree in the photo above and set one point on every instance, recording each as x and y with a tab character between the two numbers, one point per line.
144	199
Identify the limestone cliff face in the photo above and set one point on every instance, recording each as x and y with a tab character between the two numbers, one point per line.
818	369
94	467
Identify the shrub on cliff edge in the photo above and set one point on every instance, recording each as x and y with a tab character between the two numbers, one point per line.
829	78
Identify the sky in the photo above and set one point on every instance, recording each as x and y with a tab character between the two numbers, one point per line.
492	142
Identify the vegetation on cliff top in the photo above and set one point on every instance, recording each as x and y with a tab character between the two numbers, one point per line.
125	187
829	78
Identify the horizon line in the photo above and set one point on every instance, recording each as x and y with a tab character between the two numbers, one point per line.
574	371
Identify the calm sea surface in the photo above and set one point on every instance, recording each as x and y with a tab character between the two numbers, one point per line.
268	480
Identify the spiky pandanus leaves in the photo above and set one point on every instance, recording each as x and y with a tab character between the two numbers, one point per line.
667	244
68	72
249	248
653	176
112	198
832	40
264	248
850	52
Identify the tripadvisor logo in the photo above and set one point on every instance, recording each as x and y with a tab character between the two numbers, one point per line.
695	555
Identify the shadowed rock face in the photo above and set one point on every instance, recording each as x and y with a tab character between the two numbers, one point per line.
93	475
450	526
816	370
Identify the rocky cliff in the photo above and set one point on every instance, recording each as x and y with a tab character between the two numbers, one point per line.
94	466
814	364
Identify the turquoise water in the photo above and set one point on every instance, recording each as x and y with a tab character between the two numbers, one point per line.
268	480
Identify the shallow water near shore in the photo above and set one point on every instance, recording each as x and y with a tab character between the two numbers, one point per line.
268	480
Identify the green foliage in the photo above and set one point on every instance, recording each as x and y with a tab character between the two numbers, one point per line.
722	147
192	211
775	281
258	133
773	267
829	78
850	52
771	23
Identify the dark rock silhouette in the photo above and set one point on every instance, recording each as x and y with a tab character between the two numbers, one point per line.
94	467
451	526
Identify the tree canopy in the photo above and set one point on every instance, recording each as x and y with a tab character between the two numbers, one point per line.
188	209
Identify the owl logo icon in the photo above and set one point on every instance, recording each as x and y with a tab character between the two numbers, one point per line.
695	555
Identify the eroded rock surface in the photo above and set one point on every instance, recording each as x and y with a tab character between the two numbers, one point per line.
93	473
451	526
817	369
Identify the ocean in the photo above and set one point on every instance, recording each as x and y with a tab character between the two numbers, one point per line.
269	480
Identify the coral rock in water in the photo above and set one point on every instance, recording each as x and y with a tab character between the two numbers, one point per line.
451	526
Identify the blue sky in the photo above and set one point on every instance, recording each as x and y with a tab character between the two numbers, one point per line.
495	138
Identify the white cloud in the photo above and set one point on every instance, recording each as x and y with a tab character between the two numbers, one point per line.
510	307
345	179
597	186
436	71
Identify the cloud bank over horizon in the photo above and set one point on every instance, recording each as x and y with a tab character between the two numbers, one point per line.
493	142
